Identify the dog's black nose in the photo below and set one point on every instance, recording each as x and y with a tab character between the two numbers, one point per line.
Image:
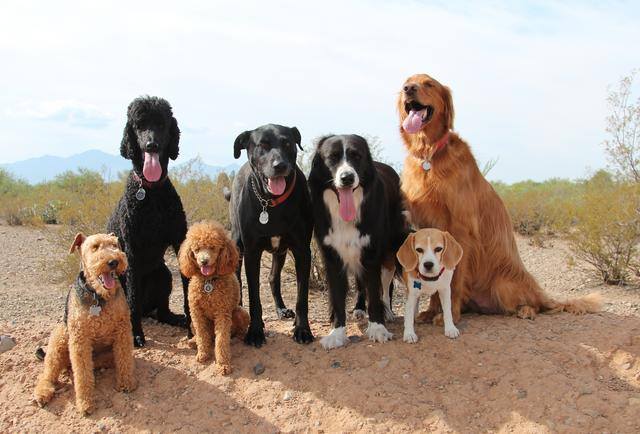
113	263
347	178
151	146
279	166
409	89
428	265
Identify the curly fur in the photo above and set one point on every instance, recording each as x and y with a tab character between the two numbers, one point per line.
215	313
86	341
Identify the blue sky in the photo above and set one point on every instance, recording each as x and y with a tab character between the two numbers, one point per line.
529	79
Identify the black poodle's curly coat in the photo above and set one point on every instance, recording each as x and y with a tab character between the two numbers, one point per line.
148	223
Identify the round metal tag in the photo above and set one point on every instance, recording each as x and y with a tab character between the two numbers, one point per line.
140	194
264	217
426	166
208	287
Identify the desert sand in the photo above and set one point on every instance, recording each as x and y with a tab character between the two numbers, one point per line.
558	373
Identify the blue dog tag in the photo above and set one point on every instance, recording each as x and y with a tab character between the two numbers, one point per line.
417	285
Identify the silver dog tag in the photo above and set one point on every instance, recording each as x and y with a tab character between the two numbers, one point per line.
141	194
426	166
264	217
95	310
208	287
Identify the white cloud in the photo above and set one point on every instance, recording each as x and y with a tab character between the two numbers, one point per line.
72	113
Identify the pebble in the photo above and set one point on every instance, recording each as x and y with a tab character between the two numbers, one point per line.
383	362
258	369
335	364
287	396
6	343
522	394
405	376
626	366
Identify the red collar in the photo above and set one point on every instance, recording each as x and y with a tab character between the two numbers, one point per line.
429	279
284	196
437	146
148	184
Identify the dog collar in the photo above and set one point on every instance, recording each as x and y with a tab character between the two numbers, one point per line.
437	146
430	279
83	289
263	218
144	183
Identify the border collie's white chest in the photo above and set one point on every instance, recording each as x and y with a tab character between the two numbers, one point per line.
343	236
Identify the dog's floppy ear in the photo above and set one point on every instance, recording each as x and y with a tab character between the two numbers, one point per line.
407	253
296	137
449	113
186	260
452	252
77	242
129	141
240	143
174	139
227	258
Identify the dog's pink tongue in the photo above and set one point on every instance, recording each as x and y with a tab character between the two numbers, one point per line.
108	281
151	170
347	205
206	270
413	122
277	185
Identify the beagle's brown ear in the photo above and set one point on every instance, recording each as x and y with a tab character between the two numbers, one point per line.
407	253
227	258
77	242
449	112
452	252
186	260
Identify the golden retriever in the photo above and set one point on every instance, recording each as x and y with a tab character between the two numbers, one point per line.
445	189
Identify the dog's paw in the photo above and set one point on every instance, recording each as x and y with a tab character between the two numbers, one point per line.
426	316
410	337
84	406
255	336
302	334
526	312
139	341
438	320
43	394
359	314
202	357
378	332
284	313
221	369
388	314
173	319
127	385
451	332
336	338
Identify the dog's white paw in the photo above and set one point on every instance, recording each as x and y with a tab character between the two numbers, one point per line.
378	332
359	314
336	338
451	332
388	314
410	337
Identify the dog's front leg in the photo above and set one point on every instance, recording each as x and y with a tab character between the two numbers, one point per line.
125	364
450	329
376	330
255	334
223	343
204	336
338	286
410	309
302	332
81	355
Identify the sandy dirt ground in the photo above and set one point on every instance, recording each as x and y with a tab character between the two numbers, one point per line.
559	373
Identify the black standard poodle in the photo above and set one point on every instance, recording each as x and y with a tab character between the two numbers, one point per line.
149	217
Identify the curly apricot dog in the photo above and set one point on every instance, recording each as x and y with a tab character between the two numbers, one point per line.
209	258
96	324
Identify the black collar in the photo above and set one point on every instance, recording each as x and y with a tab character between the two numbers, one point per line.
86	293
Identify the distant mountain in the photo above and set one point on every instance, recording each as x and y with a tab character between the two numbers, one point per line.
45	168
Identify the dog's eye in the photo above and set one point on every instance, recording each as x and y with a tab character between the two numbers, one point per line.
335	156
420	250
265	146
437	249
428	84
94	247
355	156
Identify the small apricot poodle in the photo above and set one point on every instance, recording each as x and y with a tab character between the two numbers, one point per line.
96	330
209	258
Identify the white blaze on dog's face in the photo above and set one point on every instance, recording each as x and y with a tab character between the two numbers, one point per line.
429	251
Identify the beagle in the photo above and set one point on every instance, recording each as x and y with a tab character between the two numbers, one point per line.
429	258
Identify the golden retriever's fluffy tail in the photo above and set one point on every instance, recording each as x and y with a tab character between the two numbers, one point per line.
589	303
239	322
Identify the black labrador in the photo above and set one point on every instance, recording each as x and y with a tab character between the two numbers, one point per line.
270	210
149	217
